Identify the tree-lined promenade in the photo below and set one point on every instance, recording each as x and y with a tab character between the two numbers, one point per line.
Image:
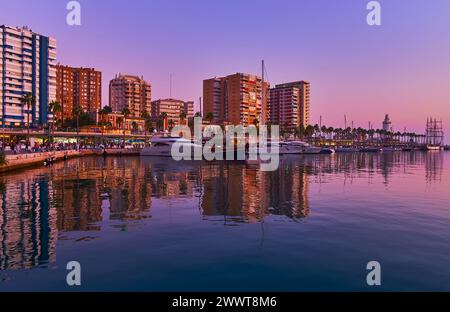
84	126
329	136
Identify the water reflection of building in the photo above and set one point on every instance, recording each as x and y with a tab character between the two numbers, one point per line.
127	186
79	204
386	164
289	192
172	184
246	194
434	164
28	231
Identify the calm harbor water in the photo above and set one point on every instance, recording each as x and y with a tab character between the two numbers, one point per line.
149	224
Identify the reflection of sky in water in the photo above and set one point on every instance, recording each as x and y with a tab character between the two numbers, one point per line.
231	218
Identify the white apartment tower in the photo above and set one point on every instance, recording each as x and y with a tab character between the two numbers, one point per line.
27	65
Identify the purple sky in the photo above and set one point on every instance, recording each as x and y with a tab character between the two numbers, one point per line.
401	68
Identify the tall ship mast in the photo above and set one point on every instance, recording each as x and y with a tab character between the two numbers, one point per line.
434	134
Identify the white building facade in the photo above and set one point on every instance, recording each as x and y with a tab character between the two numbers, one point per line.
27	65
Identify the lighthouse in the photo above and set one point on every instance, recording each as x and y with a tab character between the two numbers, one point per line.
387	124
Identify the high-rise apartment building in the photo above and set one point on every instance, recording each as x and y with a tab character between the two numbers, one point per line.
289	105
214	99
235	99
27	66
78	87
131	92
173	109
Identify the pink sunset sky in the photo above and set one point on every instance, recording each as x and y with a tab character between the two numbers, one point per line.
401	68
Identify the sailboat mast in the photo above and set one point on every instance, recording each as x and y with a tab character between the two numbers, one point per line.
262	121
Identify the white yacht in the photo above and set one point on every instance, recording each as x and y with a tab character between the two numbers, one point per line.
289	147
298	147
162	146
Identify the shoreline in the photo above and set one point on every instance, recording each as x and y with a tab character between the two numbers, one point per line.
21	161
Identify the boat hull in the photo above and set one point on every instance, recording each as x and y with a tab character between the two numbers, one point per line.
347	150
434	148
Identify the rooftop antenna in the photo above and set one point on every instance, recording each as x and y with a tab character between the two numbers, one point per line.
170	91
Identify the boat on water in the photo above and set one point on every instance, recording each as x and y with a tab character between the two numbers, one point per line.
162	146
392	149
407	149
345	149
327	150
434	147
285	148
371	150
298	147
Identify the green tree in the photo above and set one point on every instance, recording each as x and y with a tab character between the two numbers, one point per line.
107	109
309	131
134	126
159	124
77	112
171	124
125	112
147	121
182	117
54	108
28	99
163	116
209	117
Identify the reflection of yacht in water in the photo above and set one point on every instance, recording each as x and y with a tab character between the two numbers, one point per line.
286	147
346	149
162	146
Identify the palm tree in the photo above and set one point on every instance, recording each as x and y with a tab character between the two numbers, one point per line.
338	133
135	126
102	114
330	131
324	130
163	116
146	117
77	111
316	129
171	124
28	99
148	127
182	117
54	108
301	131
107	109
125	112
160	124
209	117
309	130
